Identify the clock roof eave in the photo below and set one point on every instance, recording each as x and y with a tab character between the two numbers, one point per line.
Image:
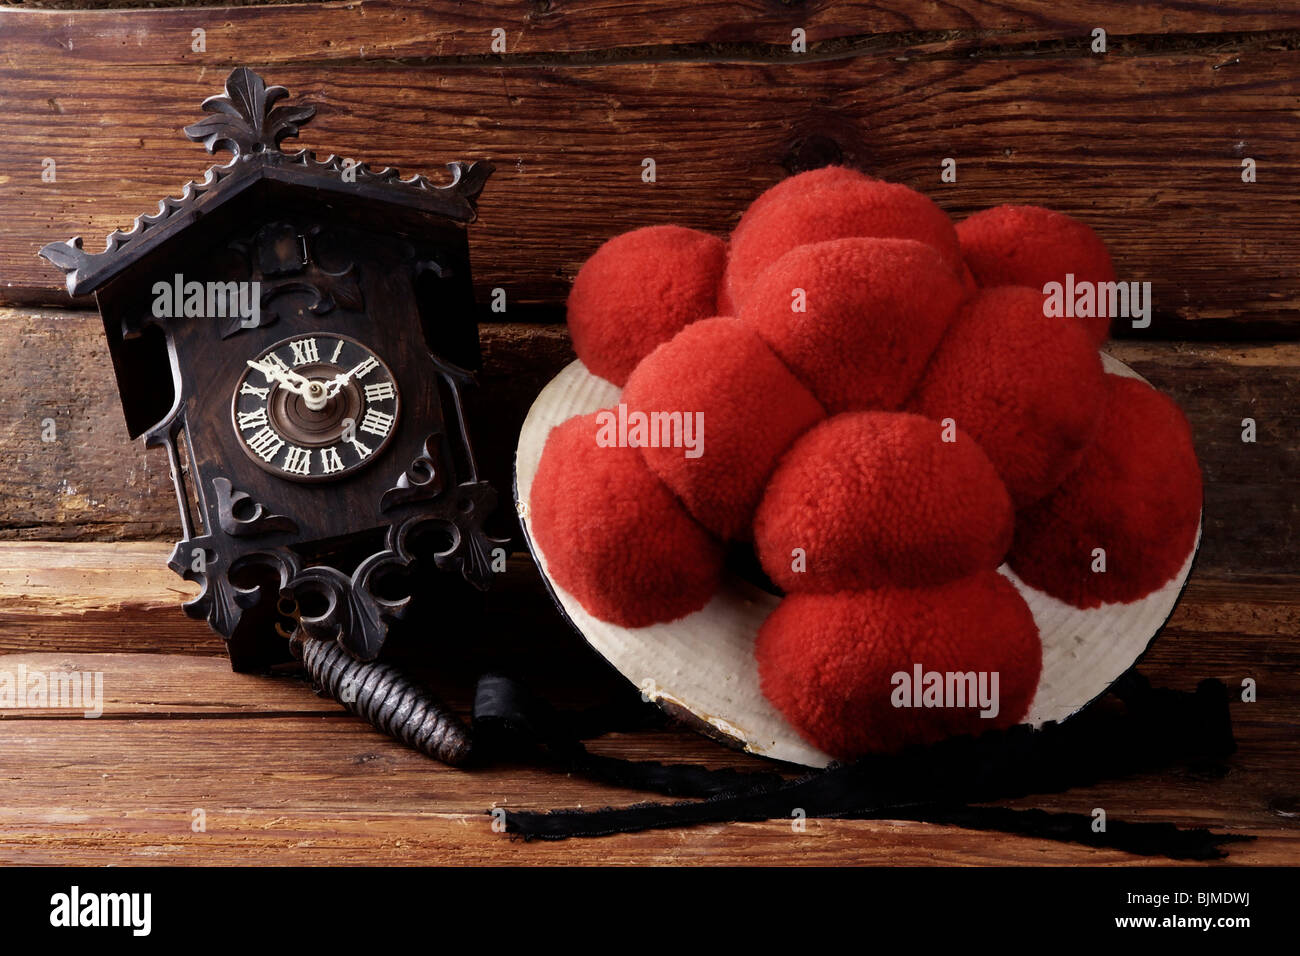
456	201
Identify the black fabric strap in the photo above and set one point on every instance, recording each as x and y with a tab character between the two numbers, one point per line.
511	723
1152	728
1145	839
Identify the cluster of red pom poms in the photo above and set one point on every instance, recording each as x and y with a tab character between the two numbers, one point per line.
887	415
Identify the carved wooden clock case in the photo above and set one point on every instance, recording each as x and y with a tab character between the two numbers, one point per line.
297	334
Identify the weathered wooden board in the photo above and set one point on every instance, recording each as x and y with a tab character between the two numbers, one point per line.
58	597
294	836
385	29
1147	147
280	783
175	685
115	596
91	483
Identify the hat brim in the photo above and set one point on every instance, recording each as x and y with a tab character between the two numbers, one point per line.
702	666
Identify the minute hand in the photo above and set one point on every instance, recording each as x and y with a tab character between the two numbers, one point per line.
343	378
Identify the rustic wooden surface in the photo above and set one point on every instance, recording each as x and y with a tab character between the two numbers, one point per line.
1145	142
446	26
285	777
1147	139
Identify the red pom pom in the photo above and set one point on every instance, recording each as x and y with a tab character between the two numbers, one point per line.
874	311
878	498
640	289
828	662
1136	494
832	203
742	406
796	189
1028	388
614	537
725	305
1032	246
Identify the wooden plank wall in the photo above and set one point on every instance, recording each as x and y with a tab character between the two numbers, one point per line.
1145	142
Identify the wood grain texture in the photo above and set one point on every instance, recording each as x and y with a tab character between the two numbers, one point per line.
282	780
92	484
318	838
175	685
1145	143
374	29
1146	147
116	596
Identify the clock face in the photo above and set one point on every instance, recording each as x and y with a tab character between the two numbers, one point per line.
315	408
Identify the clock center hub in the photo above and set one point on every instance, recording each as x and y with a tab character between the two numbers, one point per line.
316	397
315	427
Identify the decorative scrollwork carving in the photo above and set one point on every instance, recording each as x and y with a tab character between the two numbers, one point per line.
459	510
471	553
351	614
260	521
354	610
220	601
422	479
282	261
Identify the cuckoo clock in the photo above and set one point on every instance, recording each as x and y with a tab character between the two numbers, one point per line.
297	333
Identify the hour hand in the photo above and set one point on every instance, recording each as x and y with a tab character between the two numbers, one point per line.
283	376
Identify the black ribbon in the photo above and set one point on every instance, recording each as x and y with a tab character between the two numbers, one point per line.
511	723
1133	728
1145	839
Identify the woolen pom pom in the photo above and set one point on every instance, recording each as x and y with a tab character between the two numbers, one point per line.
830	663
1136	495
640	289
855	319
614	536
873	498
719	382
832	203
794	188
1032	246
1027	388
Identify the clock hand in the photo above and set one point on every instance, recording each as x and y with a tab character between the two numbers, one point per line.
314	393
342	379
282	376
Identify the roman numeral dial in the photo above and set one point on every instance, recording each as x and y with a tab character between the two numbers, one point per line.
315	407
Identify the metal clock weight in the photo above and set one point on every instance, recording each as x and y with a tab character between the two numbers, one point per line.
298	333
